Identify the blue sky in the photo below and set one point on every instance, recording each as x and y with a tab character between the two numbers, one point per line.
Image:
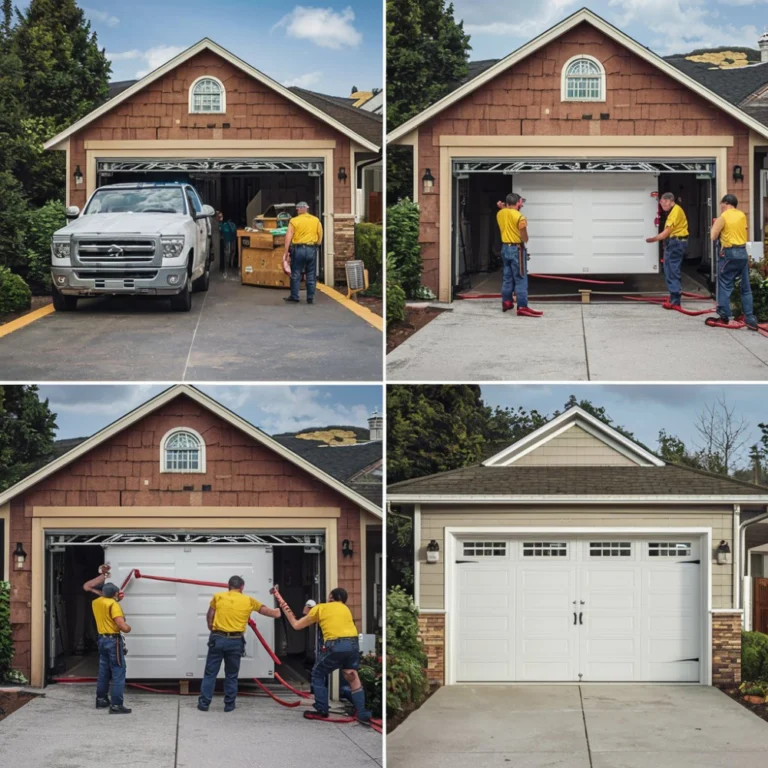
327	47
665	26
644	409
83	409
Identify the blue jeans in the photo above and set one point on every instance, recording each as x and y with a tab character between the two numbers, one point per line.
111	668
674	255
734	264
335	654
304	259
230	651
515	279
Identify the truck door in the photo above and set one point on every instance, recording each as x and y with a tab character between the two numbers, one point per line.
203	232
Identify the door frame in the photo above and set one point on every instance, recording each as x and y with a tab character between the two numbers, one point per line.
453	534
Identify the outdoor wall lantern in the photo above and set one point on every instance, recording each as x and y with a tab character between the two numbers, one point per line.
19	556
346	548
427	181
342	174
78	175
723	553
738	174
433	552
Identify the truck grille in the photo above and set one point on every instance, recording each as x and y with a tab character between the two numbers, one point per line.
121	251
117	274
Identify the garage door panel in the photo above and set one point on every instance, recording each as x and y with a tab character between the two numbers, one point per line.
546	670
534	626
606	671
612	624
481	578
681	672
491	625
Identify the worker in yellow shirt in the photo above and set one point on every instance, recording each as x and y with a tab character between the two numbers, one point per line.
340	650
302	242
514	235
731	230
110	622
675	239
227	619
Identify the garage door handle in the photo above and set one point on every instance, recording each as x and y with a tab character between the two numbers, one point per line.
581	618
574	618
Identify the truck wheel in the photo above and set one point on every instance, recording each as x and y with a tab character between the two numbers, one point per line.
201	284
62	303
182	302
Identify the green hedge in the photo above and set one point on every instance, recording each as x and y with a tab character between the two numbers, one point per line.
15	295
369	248
395	295
43	222
370	677
754	657
6	638
407	683
403	248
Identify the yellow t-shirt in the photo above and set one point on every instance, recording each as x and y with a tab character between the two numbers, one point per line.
233	609
735	230
510	222
335	620
105	610
677	222
307	229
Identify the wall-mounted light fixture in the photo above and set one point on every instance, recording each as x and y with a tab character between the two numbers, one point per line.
78	174
427	181
433	552
19	556
342	174
723	553
346	548
738	174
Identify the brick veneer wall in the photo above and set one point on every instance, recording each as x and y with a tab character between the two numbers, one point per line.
640	99
240	471
432	633
726	650
344	247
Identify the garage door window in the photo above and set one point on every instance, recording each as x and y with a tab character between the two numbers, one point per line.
207	95
545	549
583	80
610	549
669	549
485	549
183	450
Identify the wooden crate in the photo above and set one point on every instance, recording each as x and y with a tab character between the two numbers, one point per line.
263	266
255	239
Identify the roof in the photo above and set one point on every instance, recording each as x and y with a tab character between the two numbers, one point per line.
734	84
485	74
207	44
116	88
214	407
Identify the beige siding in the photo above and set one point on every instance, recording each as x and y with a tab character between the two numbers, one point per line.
575	447
434	521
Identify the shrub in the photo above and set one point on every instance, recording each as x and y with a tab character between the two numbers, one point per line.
395	296
370	677
407	683
43	222
369	248
15	295
14	220
6	638
403	244
754	656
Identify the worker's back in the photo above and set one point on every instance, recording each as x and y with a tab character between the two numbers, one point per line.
335	620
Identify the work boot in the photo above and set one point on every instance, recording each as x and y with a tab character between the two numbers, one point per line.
229	707
103	703
314	714
751	323
528	312
119	710
290	300
507	305
364	717
310	301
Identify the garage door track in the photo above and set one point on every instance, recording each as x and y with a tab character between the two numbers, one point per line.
571	726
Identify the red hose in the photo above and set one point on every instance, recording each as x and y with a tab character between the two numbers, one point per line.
303	694
252	625
577	279
180	581
272	695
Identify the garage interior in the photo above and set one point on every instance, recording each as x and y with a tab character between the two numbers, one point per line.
71	637
477	244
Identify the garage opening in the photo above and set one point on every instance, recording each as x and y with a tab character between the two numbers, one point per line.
589	220
169	634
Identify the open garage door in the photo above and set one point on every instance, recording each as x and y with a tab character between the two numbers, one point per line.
590	609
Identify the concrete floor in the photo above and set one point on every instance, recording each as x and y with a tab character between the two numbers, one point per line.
589	726
63	730
474	341
233	333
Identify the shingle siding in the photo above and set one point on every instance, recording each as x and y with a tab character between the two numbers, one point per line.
574	447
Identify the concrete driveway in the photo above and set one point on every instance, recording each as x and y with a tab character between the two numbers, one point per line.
571	726
63	730
474	341
233	333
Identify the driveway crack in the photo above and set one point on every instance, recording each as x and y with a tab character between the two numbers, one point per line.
194	335
586	732
584	334
178	720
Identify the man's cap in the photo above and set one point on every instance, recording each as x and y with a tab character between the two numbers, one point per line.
302	205
310	603
110	590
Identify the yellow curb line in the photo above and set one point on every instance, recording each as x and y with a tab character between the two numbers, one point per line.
369	317
20	322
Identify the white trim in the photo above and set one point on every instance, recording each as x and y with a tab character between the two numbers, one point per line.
170	433
209	45
450	593
222	111
5	523
416	553
434	611
584	15
574	416
211	405
726	611
564	79
455	498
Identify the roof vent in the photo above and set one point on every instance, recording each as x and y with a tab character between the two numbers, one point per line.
376	427
763	43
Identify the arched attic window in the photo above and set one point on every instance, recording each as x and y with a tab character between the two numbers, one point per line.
182	450
207	96
583	79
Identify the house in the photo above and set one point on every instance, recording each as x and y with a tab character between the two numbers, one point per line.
584	119
183	487
575	554
210	118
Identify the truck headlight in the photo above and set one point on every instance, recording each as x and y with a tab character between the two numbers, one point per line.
60	250
172	246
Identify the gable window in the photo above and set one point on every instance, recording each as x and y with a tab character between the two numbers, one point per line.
583	80
182	450
207	95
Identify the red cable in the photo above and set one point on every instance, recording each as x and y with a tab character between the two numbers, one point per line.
252	625
577	279
272	695
180	581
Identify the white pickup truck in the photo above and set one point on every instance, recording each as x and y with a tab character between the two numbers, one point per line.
140	239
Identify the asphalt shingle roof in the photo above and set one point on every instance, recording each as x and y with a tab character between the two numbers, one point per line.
734	85
577	481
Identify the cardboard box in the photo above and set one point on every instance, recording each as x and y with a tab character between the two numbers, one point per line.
263	266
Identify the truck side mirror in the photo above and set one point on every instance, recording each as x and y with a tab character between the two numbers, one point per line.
206	213
72	212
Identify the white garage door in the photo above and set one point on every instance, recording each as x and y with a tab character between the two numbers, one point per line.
169	634
590	222
561	609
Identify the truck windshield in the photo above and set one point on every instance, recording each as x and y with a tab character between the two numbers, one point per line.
138	200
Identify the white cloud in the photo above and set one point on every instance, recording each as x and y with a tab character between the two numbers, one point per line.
113	401
508	20
322	26
103	16
304	81
152	58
